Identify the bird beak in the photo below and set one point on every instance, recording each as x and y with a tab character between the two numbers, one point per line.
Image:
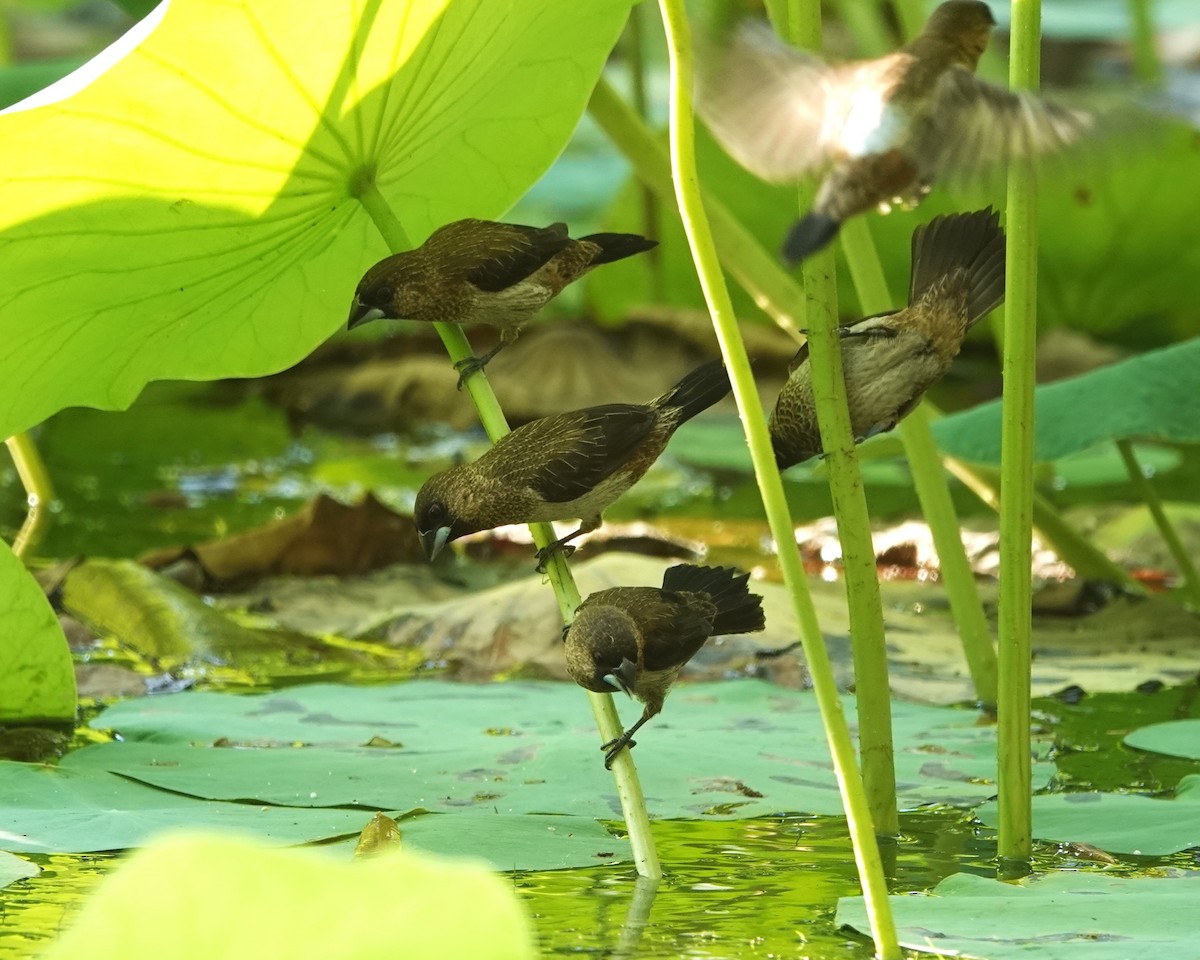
624	678
361	313
432	541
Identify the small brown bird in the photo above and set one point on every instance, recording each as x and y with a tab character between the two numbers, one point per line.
637	639
883	130
480	271
890	360
572	464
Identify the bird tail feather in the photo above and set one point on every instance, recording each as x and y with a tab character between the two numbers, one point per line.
738	610
972	242
618	246
808	236
697	391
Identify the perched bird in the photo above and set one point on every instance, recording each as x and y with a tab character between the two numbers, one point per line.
568	465
637	639
890	360
479	271
883	130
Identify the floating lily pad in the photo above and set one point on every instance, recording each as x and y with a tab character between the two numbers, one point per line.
14	868
1175	738
1063	916
1117	822
199	896
734	749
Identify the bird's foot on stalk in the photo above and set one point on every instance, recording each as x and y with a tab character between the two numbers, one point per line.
546	554
469	366
613	747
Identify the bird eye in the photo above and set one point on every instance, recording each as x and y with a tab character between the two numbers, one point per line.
382	296
435	513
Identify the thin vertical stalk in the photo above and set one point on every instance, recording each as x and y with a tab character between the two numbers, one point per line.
873	693
929	479
1145	489
695	223
1016	467
39	491
774	291
1147	66
633	803
635	52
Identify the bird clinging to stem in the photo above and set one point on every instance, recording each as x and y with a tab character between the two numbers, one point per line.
481	271
890	360
882	130
637	639
569	465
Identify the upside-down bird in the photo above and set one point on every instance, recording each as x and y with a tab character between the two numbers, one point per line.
890	360
637	639
569	465
882	130
480	271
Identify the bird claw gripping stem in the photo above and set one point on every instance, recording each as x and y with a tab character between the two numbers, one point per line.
615	746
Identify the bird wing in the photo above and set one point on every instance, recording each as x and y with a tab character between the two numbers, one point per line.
675	628
767	103
578	450
495	256
976	124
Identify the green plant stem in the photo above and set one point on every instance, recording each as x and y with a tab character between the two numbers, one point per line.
775	293
1149	495
1147	66
695	223
929	479
633	803
635	53
39	491
1014	621
873	692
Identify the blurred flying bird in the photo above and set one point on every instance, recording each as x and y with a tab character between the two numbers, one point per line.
636	639
890	360
480	271
882	130
572	464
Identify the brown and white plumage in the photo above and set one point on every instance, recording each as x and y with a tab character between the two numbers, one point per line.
569	465
889	361
482	271
882	130
637	639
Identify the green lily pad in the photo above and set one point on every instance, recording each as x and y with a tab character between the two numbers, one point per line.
1117	822
1062	916
1155	396
201	895
734	749
37	679
14	868
1175	738
210	229
50	810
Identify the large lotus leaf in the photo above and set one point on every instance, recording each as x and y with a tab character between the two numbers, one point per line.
204	895
190	213
1116	822
1061	916
734	749
1153	396
37	680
